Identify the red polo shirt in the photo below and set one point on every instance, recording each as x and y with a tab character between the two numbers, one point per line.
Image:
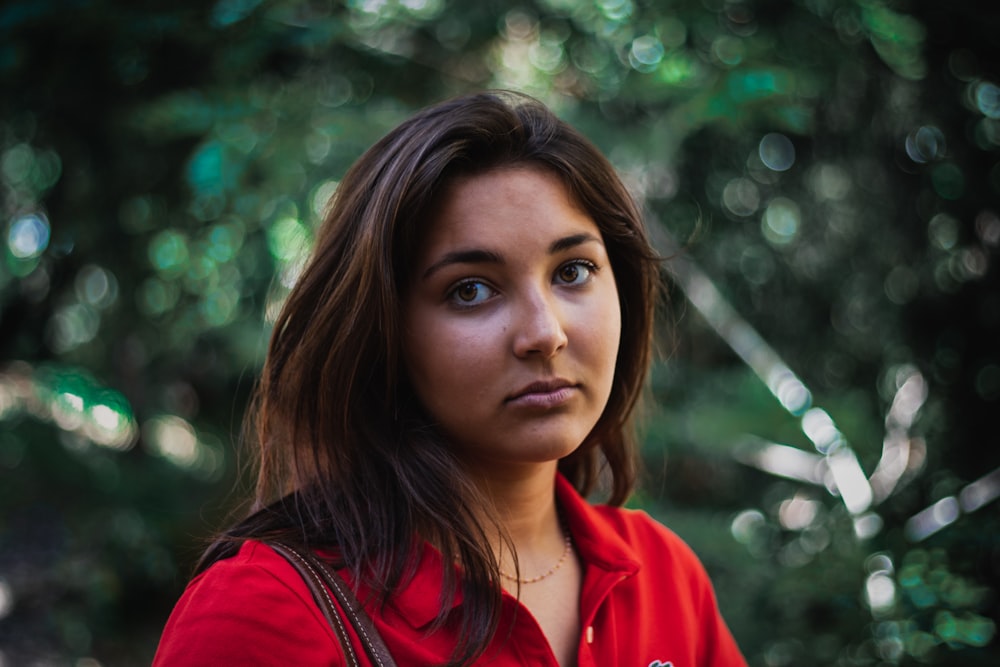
645	601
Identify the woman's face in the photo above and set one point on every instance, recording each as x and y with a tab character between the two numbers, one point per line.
512	321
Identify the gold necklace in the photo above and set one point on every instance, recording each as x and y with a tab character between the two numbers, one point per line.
552	570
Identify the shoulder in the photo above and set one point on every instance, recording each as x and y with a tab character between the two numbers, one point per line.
647	538
257	594
255	570
635	523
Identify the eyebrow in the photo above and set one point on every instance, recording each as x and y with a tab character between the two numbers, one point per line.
480	256
572	241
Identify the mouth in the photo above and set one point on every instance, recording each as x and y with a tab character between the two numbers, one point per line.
542	394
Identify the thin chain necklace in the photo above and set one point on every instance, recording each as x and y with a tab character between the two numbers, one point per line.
551	571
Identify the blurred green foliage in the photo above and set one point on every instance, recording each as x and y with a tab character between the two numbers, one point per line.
823	173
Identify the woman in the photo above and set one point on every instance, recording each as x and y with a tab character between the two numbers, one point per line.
453	373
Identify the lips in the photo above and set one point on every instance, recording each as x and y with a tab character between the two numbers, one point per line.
543	393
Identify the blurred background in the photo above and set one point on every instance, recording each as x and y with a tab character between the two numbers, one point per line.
824	175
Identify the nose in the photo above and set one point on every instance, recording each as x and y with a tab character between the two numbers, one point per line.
539	327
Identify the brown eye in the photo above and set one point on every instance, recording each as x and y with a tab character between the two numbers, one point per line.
577	272
470	293
569	273
467	292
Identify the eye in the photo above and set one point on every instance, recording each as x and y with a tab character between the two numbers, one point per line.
470	293
577	272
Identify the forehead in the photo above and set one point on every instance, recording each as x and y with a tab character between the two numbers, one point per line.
507	205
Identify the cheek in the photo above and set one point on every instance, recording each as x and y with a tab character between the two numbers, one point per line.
607	327
446	362
610	346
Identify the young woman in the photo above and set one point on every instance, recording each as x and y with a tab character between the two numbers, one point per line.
451	377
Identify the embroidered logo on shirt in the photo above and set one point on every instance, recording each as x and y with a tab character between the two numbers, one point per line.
659	663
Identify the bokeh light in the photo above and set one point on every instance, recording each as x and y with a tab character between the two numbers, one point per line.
96	286
176	440
168	251
646	53
777	152
829	182
925	144
6	599
988	99
73	325
288	239
741	197
781	221
71	400
28	236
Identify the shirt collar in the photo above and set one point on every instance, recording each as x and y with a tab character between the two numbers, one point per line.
597	531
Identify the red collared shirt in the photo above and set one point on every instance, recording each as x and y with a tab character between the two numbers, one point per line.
645	601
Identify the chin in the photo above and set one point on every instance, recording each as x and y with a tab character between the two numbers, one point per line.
553	451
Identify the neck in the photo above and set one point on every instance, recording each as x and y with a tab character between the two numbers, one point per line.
526	506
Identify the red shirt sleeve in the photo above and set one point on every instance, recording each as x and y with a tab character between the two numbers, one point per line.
251	609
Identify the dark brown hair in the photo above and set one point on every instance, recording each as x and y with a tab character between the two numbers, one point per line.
347	457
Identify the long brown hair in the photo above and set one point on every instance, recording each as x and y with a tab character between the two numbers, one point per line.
347	457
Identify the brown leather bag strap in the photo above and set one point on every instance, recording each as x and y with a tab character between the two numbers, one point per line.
321	579
314	581
373	643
